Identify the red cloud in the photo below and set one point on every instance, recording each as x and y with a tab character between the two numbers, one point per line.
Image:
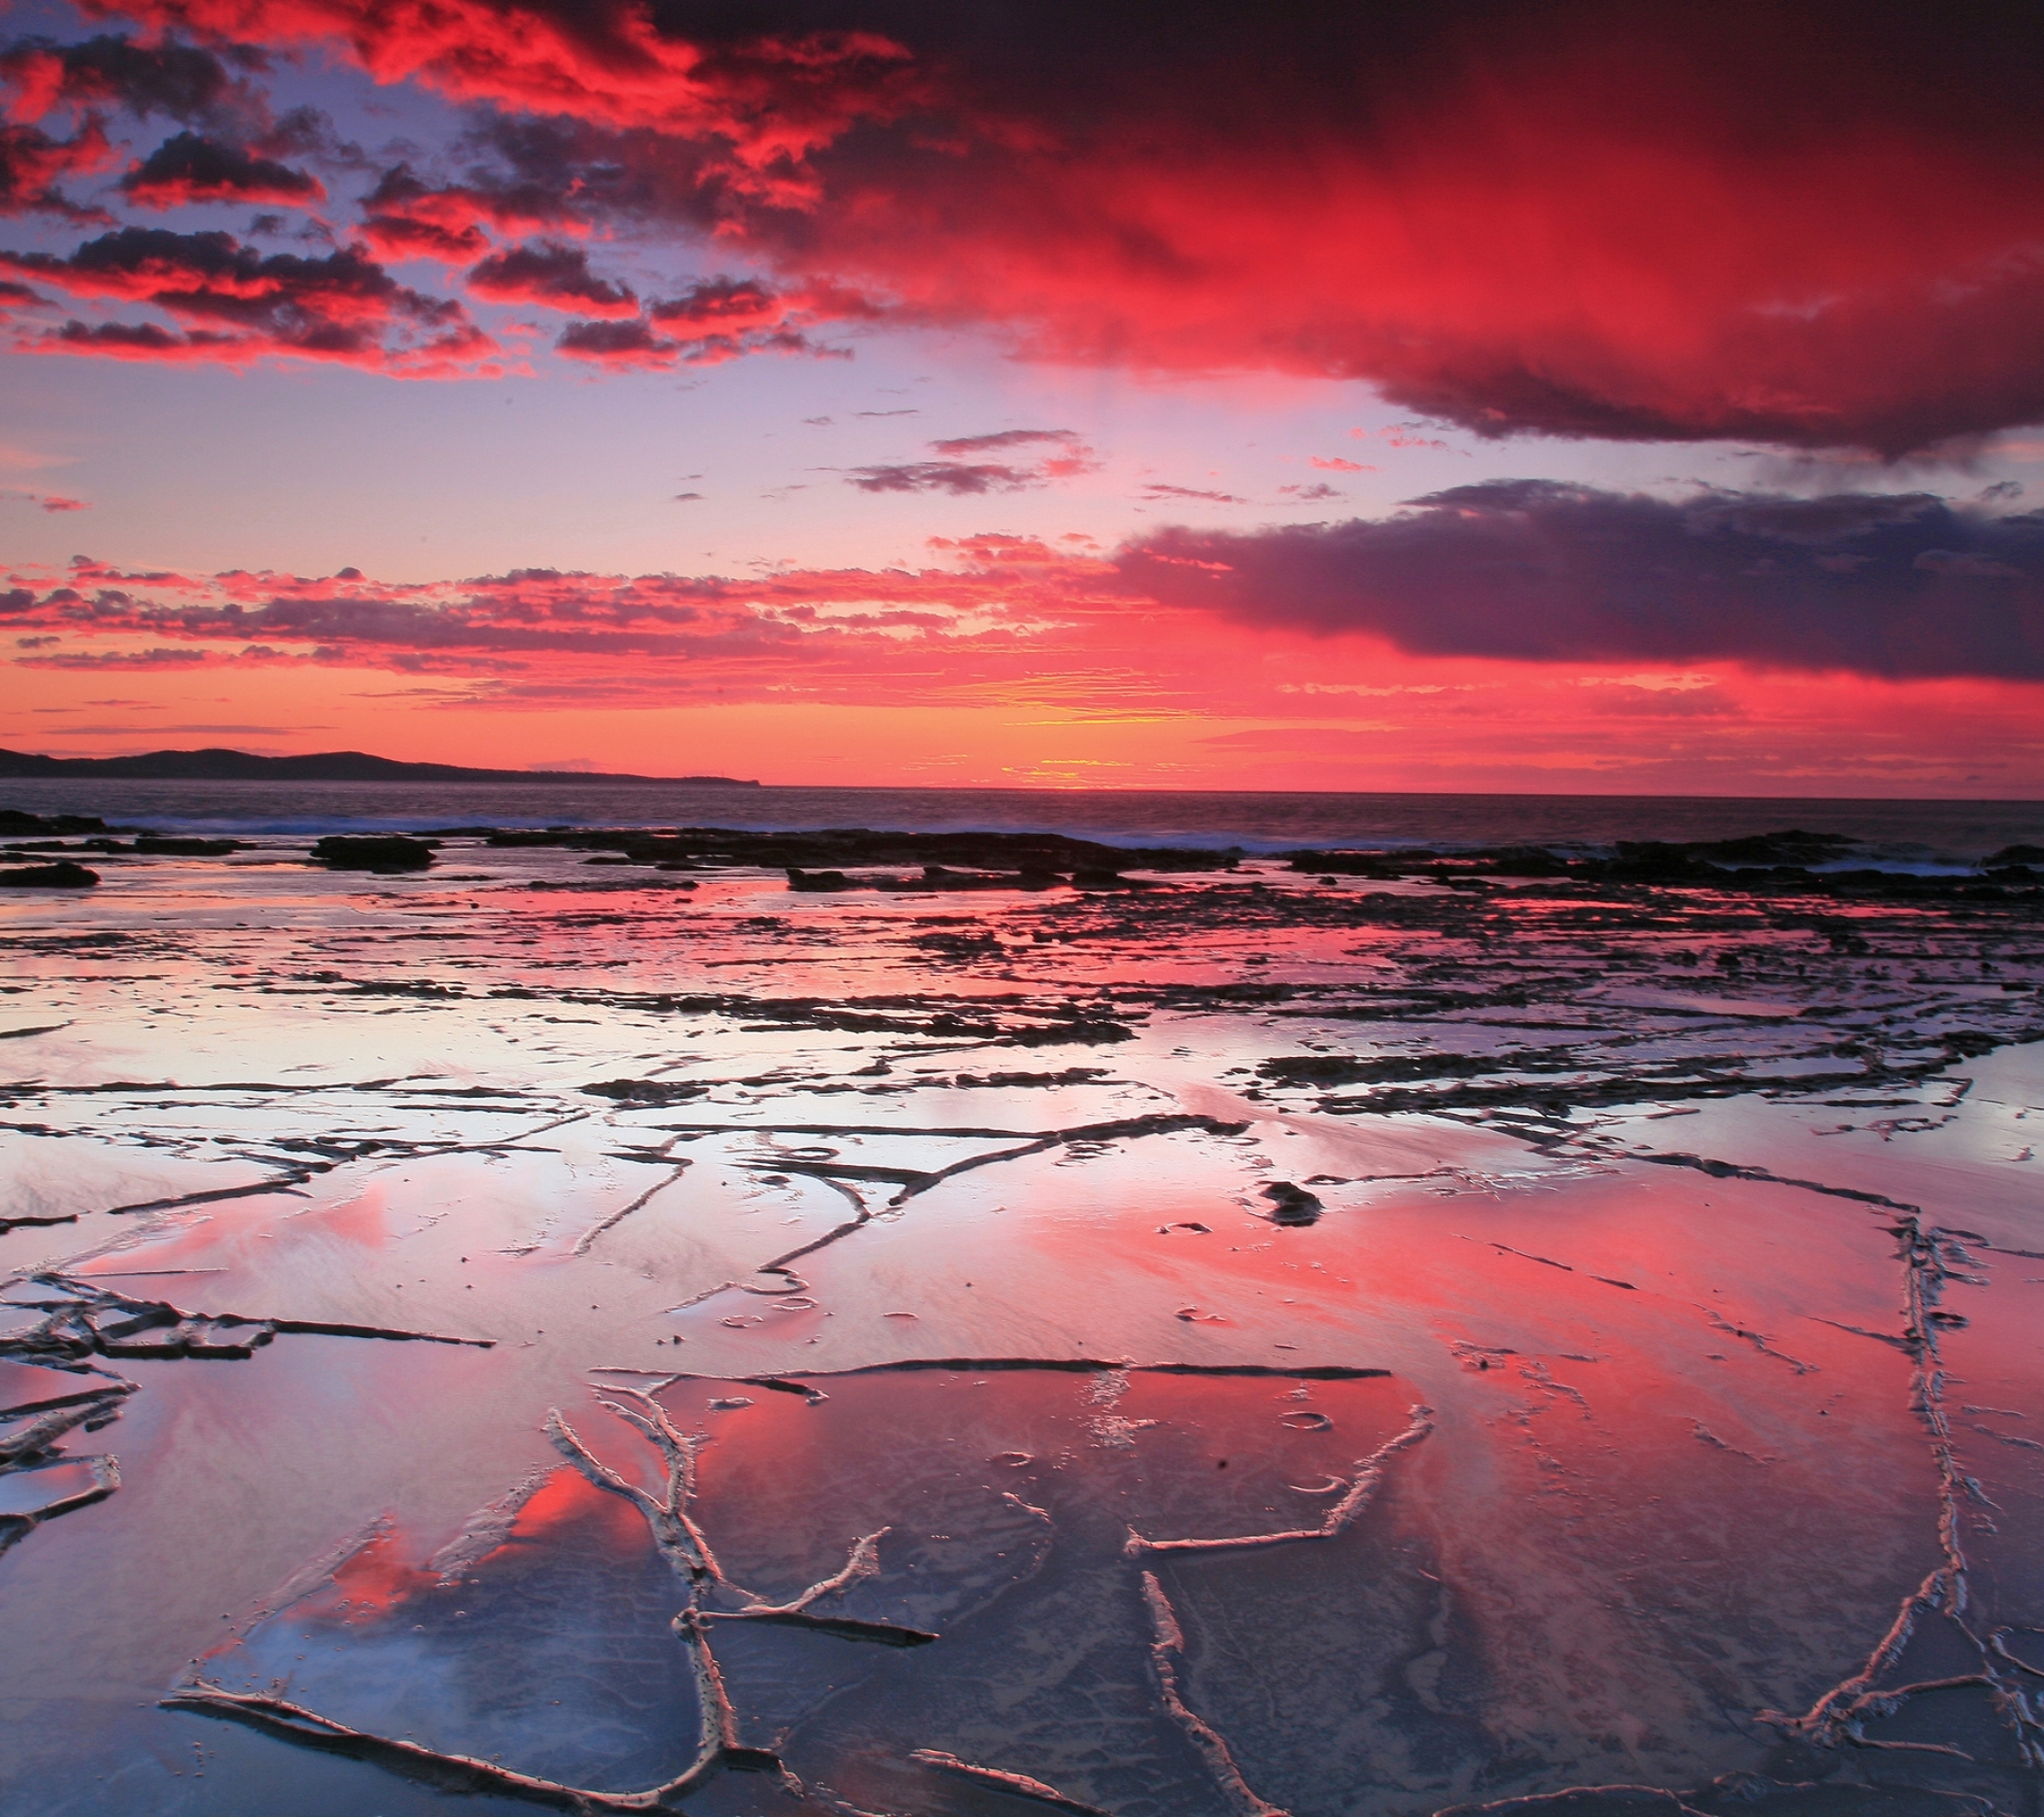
1554	581
406	217
31	162
724	318
1581	219
720	302
1816	227
398	238
770	97
180	81
637	344
188	168
599	634
342	307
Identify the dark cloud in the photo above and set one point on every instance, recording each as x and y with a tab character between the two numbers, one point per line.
135	341
1895	585
344	307
161	657
623	341
638	343
180	80
308	132
1158	491
717	319
628	344
188	168
959	478
400	238
214	276
406	217
1309	494
1069	456
986	444
31	162
553	272
721	302
769	93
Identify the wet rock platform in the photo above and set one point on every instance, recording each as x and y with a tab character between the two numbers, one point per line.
579	1323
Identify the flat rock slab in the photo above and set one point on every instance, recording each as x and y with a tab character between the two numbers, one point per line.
56	1488
27	1388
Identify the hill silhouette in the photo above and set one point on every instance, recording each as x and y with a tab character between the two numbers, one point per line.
316	767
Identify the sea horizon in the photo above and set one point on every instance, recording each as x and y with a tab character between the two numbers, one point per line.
1934	833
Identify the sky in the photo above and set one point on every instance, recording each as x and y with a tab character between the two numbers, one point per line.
1574	397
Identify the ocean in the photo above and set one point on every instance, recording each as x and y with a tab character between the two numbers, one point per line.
1910	834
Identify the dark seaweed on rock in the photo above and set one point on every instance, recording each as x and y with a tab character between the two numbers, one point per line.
997	860
646	1091
14	819
1765	863
819	882
1083	1033
383	853
157	845
61	876
1292	1205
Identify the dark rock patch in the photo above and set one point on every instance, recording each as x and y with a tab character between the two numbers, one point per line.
1292	1205
383	854
63	875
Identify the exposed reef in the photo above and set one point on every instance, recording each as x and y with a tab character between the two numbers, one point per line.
1015	1324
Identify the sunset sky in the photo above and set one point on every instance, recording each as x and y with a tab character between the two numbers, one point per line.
1449	396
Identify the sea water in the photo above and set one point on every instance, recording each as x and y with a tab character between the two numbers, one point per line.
1907	833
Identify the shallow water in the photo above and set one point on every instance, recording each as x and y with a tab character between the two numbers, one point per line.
1246	1344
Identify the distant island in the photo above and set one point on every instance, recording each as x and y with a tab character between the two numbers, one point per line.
317	767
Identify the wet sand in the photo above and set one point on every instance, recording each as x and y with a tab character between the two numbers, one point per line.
592	1338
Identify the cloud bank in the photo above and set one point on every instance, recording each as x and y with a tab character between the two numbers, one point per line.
1818	227
1893	585
1885	586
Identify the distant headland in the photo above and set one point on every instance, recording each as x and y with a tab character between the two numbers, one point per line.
316	767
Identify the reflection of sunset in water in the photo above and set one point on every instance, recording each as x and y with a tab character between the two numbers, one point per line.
1584	1346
